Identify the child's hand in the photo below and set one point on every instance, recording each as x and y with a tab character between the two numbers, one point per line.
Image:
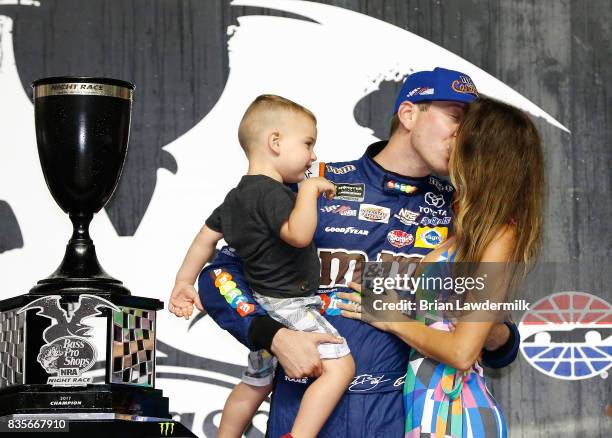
182	299
324	186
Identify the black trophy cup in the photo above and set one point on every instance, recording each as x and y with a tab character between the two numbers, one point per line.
77	353
82	142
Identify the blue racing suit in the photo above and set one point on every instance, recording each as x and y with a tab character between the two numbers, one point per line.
376	216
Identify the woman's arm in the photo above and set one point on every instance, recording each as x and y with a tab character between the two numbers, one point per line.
462	347
459	349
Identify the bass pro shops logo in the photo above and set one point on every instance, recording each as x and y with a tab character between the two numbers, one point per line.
568	336
68	353
166	428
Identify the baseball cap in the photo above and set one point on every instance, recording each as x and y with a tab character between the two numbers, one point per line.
439	84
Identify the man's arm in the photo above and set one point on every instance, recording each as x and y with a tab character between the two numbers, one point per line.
296	351
502	345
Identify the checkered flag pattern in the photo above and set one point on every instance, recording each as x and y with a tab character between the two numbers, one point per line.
12	348
133	347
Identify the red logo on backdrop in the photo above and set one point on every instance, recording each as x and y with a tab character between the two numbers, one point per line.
566	335
399	238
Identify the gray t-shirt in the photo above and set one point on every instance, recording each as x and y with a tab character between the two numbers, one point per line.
250	220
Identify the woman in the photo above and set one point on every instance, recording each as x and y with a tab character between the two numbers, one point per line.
497	169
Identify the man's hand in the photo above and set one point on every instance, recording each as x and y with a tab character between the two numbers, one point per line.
322	185
183	298
297	352
497	337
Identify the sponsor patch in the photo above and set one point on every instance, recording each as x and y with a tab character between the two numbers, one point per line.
439	185
303	380
434	200
432	211
330	304
464	85
222	278
406	189
244	309
399	238
374	213
231	295
340	266
229	290
421	91
407	217
342	210
350	192
347	230
226	287
427	237
435	221
340	170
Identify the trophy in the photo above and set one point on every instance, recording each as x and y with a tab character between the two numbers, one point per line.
82	130
77	353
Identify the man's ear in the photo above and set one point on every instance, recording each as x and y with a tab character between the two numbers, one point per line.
274	141
407	114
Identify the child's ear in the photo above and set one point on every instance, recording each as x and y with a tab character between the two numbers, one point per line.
274	141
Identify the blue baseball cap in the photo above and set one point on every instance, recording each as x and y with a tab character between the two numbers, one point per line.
439	84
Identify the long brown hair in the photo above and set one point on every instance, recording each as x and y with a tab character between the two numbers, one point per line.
497	167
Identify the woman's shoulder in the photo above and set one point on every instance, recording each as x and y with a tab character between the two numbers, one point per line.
501	245
442	252
505	233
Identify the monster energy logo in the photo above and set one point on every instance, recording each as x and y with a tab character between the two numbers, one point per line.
166	428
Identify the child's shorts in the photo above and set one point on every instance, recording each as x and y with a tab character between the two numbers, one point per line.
299	313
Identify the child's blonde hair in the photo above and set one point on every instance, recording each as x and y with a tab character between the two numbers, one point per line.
261	112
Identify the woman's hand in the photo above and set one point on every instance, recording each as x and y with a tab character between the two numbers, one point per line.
353	308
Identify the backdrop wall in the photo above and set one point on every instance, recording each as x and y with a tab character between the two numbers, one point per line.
197	65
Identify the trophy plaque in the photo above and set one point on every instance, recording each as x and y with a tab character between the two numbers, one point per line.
77	353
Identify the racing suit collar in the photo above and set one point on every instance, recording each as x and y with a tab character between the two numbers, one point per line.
387	181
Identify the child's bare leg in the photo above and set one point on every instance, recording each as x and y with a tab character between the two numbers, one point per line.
322	395
240	407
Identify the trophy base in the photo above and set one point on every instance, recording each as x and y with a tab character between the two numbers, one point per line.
66	285
92	399
91	425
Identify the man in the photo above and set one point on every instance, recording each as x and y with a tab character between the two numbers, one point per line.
387	207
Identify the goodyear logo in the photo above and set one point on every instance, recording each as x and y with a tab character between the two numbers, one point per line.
427	237
166	429
568	336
